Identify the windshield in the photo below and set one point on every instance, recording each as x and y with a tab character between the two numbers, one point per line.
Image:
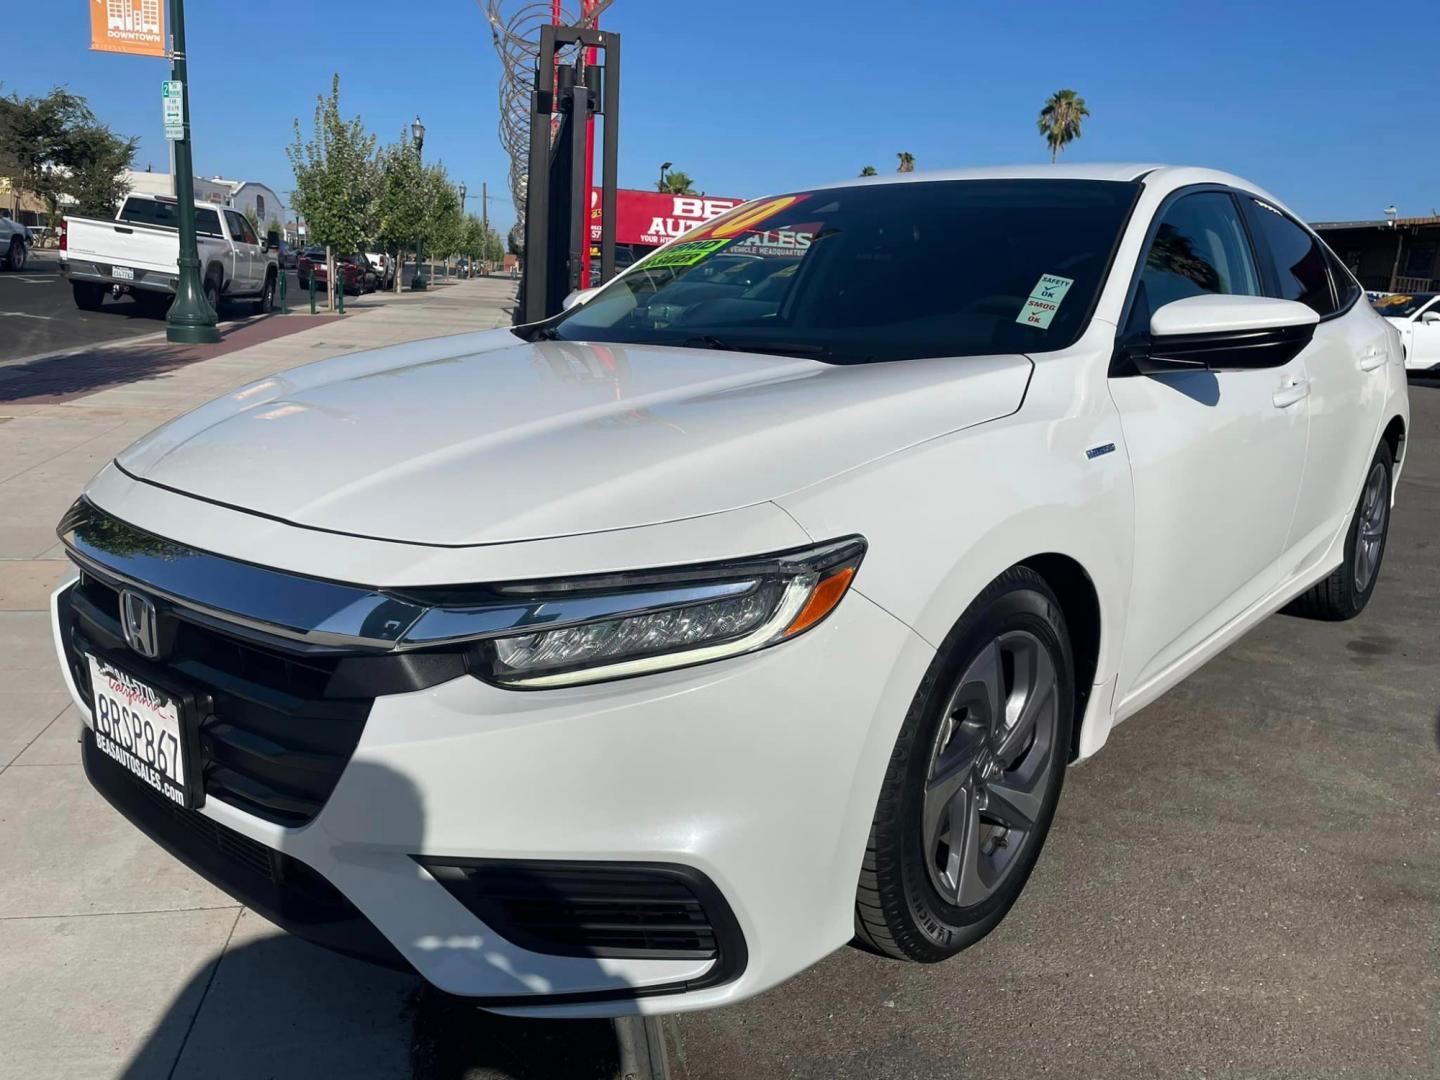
874	273
1402	305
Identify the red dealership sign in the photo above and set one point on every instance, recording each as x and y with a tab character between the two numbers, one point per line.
653	218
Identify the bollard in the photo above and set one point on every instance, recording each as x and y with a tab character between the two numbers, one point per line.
340	295
312	290
284	281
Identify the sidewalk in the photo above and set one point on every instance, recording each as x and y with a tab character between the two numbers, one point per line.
115	959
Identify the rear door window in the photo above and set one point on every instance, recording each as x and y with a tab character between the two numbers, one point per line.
1297	261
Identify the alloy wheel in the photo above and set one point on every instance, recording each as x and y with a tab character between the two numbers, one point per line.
1374	510
991	758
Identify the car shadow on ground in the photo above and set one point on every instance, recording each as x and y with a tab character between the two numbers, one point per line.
272	1005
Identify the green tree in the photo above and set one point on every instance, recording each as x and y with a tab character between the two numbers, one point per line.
1060	120
273	225
907	161
336	180
400	211
444	226
676	183
868	170
252	219
54	147
481	242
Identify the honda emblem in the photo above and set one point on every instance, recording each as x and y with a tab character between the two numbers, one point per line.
137	620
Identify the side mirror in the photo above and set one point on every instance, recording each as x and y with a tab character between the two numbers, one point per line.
579	296
272	240
1223	333
1430	317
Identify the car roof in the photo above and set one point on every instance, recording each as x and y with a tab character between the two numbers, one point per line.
1166	178
1150	172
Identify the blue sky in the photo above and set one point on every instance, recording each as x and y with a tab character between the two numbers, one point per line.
1308	99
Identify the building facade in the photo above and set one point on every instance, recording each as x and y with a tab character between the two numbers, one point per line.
1388	256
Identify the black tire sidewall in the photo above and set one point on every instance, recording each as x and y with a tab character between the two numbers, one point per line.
1355	599
212	295
945	928
15	255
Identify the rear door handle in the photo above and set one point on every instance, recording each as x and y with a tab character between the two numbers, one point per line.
1372	359
1294	390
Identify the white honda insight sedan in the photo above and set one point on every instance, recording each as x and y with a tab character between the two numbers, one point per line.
634	660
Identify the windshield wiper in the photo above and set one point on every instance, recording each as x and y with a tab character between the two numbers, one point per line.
548	333
782	348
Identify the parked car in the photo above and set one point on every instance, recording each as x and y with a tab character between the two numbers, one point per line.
384	267
139	251
286	256
653	651
356	274
14	244
1417	317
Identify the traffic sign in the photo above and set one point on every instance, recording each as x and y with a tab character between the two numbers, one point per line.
172	98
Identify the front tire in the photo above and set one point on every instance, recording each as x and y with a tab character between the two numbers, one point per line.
211	289
16	255
266	303
974	778
1344	594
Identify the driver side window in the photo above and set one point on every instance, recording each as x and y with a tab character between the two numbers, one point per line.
1200	247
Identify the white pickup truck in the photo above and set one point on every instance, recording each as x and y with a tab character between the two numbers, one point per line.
139	250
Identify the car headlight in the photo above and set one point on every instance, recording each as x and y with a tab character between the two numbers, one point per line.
617	625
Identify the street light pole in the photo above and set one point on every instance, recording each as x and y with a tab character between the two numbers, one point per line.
417	132
191	320
663	167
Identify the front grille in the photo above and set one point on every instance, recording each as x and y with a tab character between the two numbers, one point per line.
655	911
275	741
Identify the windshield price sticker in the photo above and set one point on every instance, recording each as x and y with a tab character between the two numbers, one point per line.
687	254
1044	300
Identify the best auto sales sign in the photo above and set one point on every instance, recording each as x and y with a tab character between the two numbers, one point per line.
653	218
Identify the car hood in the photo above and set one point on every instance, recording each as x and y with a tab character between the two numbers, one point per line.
483	438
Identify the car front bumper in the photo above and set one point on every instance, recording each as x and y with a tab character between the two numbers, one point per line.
756	775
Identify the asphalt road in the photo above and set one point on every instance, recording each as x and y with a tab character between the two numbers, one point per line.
1244	883
38	313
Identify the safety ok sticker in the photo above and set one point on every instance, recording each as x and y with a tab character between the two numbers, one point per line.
1044	300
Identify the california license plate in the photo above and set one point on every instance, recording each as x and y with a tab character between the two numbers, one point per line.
142	728
123	273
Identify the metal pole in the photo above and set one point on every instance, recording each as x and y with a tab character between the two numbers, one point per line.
417	282
485	227
191	320
609	157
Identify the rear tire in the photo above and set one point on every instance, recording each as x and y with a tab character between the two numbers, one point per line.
1344	594
974	778
88	295
16	254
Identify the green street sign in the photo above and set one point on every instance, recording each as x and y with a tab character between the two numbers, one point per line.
172	101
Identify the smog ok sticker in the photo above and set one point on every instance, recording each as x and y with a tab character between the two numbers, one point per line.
687	254
1044	300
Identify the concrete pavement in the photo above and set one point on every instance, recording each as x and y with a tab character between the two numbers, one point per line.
115	959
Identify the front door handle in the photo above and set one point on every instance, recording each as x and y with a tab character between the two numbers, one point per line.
1294	390
1372	359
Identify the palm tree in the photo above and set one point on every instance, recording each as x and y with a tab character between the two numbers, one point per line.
676	183
868	170
907	161
1060	120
